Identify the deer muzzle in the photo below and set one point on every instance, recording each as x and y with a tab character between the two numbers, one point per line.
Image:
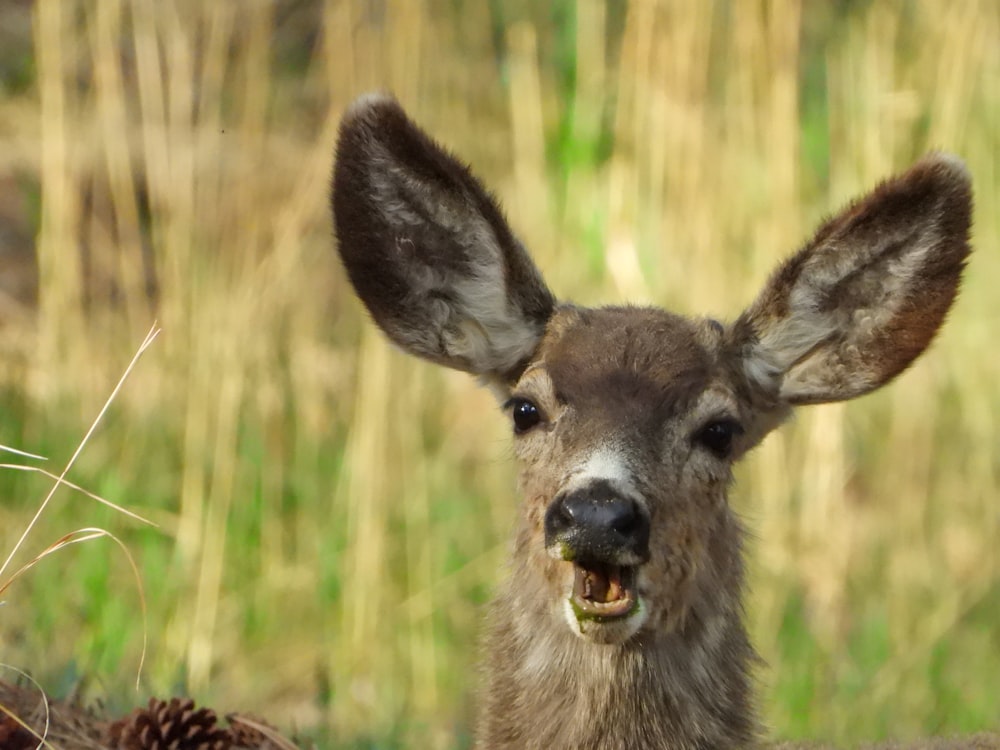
605	535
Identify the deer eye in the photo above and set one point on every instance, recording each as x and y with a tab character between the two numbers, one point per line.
718	436
525	414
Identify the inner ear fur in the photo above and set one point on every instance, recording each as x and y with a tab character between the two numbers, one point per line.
428	250
856	305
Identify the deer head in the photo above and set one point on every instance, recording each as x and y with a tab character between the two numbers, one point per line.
627	420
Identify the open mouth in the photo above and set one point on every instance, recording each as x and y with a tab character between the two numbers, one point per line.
602	591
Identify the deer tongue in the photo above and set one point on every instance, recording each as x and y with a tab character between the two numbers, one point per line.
602	589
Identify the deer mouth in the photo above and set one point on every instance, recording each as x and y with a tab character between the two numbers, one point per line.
603	591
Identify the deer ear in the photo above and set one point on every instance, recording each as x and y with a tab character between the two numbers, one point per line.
428	250
865	297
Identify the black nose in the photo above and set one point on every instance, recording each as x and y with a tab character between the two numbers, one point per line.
597	523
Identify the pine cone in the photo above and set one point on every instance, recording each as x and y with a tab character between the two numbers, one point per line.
173	725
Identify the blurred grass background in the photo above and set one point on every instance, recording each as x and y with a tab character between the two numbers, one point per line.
334	515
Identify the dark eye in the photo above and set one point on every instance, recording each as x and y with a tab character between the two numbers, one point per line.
526	415
718	436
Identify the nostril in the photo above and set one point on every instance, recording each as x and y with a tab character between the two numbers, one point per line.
561	515
569	508
626	518
630	524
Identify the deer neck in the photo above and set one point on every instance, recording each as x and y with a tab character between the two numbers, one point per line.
684	688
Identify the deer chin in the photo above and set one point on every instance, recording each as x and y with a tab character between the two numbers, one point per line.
604	605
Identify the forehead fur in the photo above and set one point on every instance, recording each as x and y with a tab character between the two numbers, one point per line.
625	357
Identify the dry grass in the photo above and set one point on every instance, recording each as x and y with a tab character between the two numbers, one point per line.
336	513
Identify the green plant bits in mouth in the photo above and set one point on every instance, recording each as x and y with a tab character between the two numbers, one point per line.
603	591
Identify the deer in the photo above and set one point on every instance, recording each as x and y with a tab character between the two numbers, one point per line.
619	624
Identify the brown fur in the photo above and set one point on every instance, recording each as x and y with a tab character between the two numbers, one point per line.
683	682
628	421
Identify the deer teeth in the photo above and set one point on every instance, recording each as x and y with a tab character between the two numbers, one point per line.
603	590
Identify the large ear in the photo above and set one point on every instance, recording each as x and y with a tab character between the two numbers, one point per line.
428	250
865	297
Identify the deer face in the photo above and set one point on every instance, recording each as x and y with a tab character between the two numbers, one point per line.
626	420
626	428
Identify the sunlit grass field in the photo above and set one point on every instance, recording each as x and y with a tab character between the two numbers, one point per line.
332	515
